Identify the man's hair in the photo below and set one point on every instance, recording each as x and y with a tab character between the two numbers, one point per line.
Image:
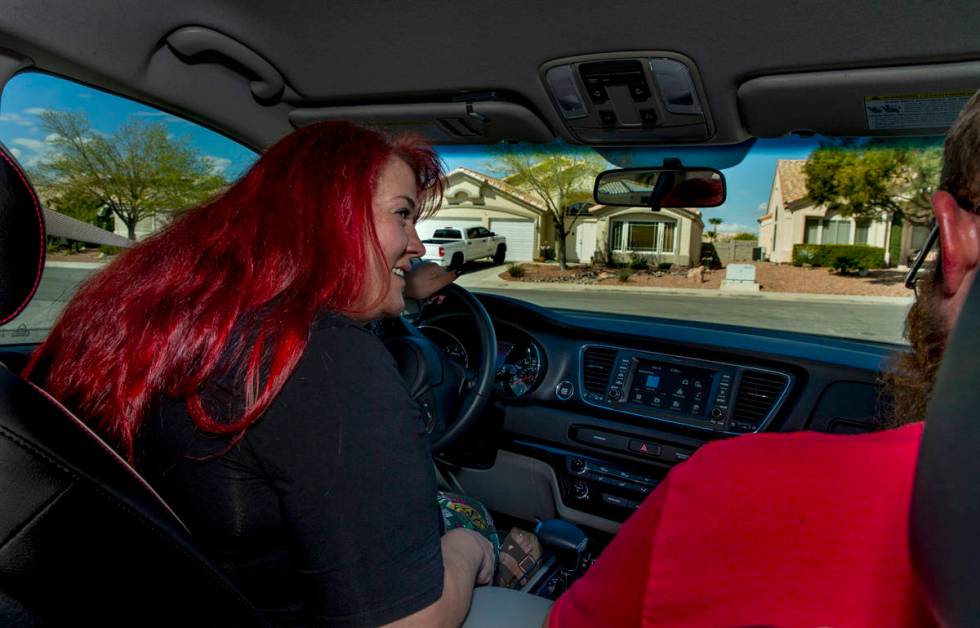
961	156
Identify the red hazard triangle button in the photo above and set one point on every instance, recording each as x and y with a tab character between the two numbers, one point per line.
645	447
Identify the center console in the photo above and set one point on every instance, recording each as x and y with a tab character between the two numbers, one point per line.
701	394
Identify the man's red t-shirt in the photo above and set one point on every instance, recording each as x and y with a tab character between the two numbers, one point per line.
802	529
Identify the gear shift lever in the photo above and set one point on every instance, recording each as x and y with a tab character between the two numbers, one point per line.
566	541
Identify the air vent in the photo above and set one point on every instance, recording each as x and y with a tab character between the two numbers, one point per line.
597	364
757	396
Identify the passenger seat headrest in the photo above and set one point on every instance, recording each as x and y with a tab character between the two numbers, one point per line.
21	238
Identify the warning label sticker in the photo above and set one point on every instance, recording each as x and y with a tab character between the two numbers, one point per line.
914	111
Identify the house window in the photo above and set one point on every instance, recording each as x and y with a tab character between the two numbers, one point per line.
861	230
812	233
668	243
617	236
919	235
822	231
642	237
836	232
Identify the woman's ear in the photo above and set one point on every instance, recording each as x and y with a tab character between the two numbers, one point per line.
959	238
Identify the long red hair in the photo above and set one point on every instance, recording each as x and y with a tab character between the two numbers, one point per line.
286	242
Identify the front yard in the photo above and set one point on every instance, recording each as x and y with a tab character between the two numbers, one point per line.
771	278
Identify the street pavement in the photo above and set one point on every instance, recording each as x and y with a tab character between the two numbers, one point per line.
870	318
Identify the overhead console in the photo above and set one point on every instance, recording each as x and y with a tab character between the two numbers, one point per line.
702	394
631	97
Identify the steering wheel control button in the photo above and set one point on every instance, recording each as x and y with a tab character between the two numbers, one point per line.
565	390
645	448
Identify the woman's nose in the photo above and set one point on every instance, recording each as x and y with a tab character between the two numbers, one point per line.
415	246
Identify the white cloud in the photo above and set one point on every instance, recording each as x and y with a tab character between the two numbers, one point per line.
36	150
16	118
28	143
763	207
51	137
218	164
17	152
35	111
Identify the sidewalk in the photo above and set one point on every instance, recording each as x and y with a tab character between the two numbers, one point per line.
488	279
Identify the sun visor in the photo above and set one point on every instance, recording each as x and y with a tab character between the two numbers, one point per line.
477	122
901	100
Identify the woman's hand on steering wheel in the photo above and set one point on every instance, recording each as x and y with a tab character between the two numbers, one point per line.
426	279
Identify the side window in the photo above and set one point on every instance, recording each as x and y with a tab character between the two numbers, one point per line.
56	129
472	233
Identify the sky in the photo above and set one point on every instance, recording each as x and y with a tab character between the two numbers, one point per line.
29	94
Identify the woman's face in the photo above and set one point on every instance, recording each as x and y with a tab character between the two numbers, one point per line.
394	209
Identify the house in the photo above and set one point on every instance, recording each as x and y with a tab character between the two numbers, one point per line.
475	199
670	235
792	218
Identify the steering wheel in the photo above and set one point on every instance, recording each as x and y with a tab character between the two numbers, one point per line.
452	397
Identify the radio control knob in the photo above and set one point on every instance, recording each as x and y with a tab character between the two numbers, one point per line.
615	393
580	490
577	466
716	413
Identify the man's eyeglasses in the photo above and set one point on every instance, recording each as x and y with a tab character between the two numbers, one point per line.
912	279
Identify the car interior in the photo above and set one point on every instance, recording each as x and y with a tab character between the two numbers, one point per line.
557	423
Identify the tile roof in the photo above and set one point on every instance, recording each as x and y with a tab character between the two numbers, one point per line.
792	179
500	185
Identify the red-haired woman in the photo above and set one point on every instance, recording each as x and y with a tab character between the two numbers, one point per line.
226	356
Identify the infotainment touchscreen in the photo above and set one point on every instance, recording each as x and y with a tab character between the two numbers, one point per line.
671	387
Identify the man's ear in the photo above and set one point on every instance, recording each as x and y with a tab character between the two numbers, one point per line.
959	238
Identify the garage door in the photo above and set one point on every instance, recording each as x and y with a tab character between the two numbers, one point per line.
520	237
428	226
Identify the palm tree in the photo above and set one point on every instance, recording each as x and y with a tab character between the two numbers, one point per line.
713	234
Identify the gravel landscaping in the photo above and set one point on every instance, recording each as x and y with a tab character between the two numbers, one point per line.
770	277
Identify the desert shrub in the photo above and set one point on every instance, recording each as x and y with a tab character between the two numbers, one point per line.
804	254
105	249
845	265
516	270
745	236
858	255
624	275
638	262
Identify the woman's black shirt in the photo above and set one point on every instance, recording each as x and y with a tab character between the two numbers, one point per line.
325	512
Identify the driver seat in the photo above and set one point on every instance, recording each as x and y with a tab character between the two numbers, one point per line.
82	535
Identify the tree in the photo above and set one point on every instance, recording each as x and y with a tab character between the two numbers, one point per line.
560	180
867	180
137	172
714	222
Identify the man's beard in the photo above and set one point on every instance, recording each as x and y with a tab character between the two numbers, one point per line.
908	381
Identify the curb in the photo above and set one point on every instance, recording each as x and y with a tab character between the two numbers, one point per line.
489	283
79	265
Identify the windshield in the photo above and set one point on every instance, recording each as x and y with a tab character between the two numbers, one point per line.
815	234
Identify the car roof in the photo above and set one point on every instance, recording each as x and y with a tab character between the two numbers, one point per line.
376	54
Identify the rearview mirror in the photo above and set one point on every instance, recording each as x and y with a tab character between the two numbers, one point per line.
661	187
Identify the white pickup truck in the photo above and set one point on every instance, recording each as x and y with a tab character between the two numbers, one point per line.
453	246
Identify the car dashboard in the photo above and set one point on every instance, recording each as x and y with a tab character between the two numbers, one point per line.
590	411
